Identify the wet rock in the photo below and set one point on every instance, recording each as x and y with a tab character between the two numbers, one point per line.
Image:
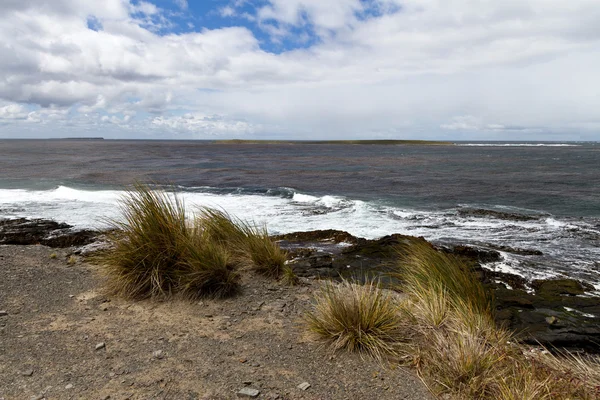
24	231
558	287
331	235
477	254
550	318
496	214
515	250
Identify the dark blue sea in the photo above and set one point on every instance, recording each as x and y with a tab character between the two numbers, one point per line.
531	196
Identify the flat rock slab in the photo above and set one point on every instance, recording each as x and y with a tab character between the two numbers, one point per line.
248	392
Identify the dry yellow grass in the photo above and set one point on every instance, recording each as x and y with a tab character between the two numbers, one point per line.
356	318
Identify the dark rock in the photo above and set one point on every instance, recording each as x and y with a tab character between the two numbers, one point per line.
24	231
476	254
505	298
515	250
496	214
331	235
556	287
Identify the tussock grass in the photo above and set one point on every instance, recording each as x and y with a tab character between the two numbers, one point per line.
459	350
521	383
356	318
207	268
249	243
262	255
422	268
147	245
289	277
155	251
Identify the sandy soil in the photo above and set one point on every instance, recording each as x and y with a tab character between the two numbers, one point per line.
57	316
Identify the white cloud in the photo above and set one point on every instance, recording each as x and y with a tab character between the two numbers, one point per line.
183	4
380	67
204	125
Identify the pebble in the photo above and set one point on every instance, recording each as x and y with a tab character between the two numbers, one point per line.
69	386
27	372
304	386
158	354
38	397
100	345
3	313
248	392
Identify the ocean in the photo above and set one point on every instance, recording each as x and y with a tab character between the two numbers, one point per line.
525	196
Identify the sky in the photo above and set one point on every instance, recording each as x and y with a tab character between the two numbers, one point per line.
300	69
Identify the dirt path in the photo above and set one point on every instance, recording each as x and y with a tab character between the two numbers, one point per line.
57	317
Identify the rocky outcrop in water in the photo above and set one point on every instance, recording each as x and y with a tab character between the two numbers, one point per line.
555	314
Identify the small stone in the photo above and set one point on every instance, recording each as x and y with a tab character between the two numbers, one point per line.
248	392
158	354
3	313
100	345
71	296
27	372
304	386
247	382
69	386
551	320
38	397
243	360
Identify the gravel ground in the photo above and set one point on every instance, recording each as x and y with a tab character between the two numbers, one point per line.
62	338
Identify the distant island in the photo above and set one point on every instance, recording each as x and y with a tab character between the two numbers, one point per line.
380	142
78	138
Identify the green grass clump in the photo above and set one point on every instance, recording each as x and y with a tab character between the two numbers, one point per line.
459	350
422	269
356	318
207	268
155	251
250	244
147	245
289	277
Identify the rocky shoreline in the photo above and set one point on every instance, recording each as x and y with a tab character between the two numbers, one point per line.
555	312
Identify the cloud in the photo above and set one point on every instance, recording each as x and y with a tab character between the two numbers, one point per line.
183	4
376	68
203	125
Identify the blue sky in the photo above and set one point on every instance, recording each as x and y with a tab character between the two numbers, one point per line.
301	69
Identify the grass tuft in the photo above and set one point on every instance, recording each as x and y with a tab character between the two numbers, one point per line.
423	269
460	351
250	244
206	269
147	245
356	318
289	277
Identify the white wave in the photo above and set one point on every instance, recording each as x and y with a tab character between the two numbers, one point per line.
304	198
304	212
